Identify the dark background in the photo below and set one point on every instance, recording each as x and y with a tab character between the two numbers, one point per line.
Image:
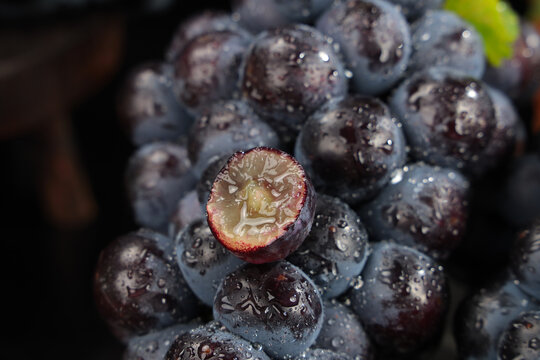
46	273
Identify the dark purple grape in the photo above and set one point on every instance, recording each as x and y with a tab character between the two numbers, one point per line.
204	262
262	205
442	38
521	339
403	299
335	250
324	354
525	260
138	286
413	9
509	131
149	107
154	346
448	117
207	68
201	23
212	342
157	176
258	15
274	304
290	72
343	333
188	210
519	77
350	147
302	10
481	319
519	196
226	127
424	207
374	38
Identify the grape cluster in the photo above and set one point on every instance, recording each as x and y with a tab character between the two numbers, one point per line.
313	176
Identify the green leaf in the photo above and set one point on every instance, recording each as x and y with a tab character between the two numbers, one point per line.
495	21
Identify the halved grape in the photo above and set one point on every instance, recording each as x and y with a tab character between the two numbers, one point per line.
262	205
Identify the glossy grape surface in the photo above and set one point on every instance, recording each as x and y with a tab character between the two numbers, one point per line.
525	259
187	211
375	40
442	38
413	9
448	117
154	346
403	299
290	72
138	286
149	107
275	305
336	248
350	147
521	339
204	262
483	317
206	69
519	77
342	332
157	176
213	342
224	128
424	207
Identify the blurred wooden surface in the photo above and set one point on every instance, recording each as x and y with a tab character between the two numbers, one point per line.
44	73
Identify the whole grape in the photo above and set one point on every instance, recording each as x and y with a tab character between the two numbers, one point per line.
291	72
350	147
273	304
206	69
448	118
138	286
375	41
157	176
402	300
424	207
149	107
442	38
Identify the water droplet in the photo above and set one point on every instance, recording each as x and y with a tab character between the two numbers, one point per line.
341	245
196	243
337	341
